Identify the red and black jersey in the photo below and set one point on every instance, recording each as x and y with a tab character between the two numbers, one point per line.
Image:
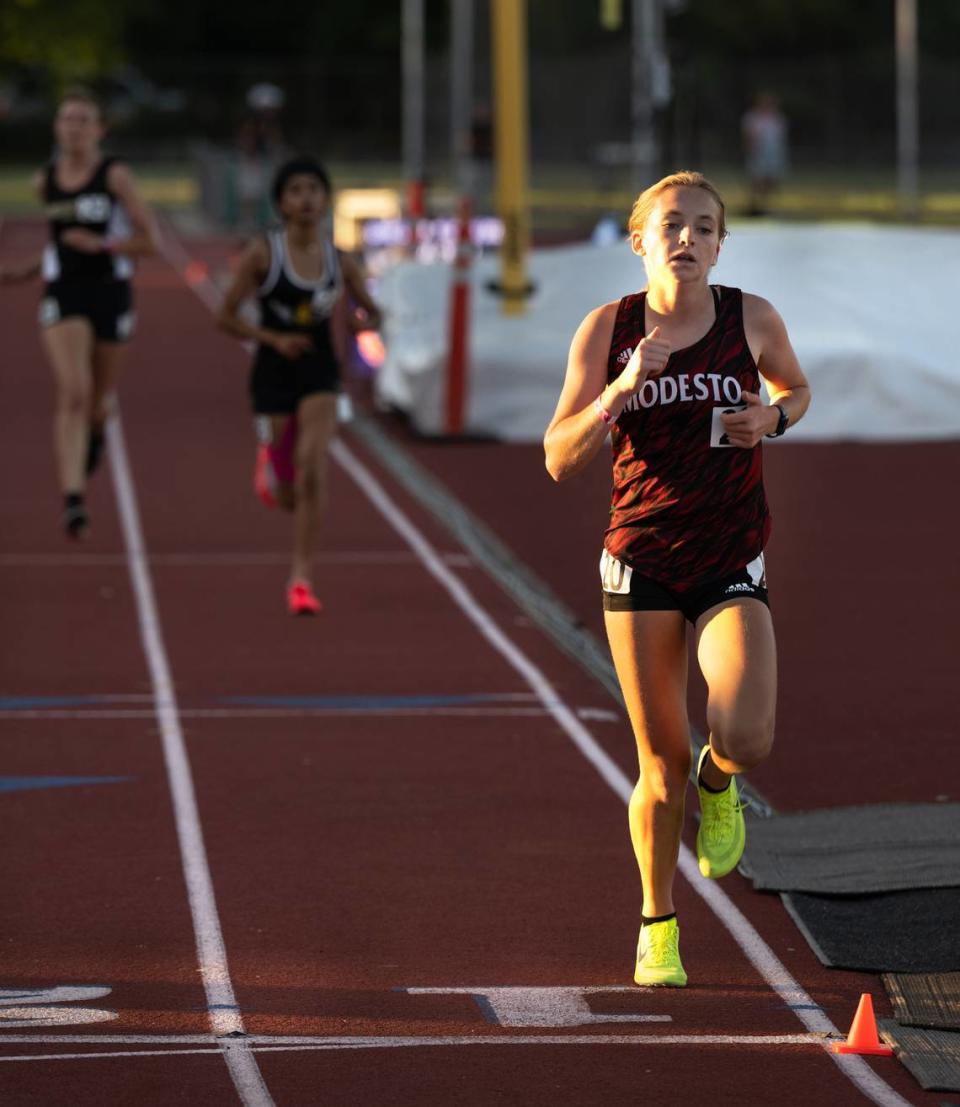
686	507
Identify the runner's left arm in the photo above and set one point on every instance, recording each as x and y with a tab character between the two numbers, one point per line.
355	280
779	367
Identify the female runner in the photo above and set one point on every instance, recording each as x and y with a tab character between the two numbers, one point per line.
98	224
298	277
673	374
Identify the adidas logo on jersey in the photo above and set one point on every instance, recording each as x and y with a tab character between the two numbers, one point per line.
741	586
624	356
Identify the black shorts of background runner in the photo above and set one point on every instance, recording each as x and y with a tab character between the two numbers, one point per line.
644	594
108	305
278	384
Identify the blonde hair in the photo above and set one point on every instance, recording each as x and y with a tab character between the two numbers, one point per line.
685	178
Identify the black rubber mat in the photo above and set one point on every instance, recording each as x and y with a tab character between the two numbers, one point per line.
932	1056
856	850
898	932
929	1000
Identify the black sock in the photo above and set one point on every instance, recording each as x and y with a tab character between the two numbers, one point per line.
646	920
95	444
73	499
701	783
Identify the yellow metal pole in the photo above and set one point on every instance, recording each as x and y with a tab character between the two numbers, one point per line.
611	14
510	144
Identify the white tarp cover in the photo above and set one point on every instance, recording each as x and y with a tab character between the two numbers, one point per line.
872	313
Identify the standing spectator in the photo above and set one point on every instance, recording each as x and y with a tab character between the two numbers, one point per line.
261	147
764	129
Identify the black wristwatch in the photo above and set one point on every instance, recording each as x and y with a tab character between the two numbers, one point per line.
781	422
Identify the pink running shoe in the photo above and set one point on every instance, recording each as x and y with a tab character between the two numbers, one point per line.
301	600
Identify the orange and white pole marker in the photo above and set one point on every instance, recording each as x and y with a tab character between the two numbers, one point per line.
416	210
458	361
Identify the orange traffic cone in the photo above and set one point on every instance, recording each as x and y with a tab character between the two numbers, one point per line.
863	1032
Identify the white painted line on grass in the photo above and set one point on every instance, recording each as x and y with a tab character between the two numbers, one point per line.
223	1009
760	955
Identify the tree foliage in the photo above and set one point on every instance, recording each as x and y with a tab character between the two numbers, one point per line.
69	41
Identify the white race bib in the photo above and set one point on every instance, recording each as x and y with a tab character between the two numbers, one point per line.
615	575
718	436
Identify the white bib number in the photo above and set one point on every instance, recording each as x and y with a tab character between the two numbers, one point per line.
614	575
718	436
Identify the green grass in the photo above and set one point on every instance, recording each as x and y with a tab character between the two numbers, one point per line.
171	186
574	198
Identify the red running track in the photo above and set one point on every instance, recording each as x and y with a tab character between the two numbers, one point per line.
424	890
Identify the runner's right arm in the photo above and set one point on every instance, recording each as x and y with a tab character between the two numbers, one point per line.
578	429
26	270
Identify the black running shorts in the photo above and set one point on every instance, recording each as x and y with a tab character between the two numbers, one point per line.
625	590
278	384
108	305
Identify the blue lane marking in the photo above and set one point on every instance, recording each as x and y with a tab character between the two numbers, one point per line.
26	783
354	702
371	703
486	1009
25	703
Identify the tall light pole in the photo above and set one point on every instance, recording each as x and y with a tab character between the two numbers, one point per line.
650	86
413	106
908	117
511	146
461	92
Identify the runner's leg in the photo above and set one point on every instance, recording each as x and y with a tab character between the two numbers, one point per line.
737	652
284	491
650	654
316	423
107	362
69	346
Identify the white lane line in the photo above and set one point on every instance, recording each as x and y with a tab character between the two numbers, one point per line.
366	1039
217	560
172	249
760	955
280	713
223	1009
263	1045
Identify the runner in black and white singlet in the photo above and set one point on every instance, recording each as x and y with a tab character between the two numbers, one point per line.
98	225
299	279
673	374
291	304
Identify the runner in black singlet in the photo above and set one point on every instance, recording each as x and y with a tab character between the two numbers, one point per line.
98	225
299	279
673	374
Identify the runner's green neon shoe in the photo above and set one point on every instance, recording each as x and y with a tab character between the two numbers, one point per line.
658	955
723	833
